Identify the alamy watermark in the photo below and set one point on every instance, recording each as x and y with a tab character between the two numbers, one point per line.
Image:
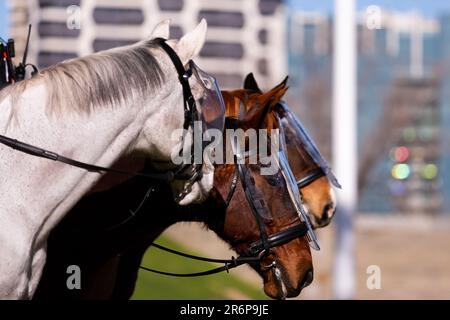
374	17
73	20
373	281
250	146
73	281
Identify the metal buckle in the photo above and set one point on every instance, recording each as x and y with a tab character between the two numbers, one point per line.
186	75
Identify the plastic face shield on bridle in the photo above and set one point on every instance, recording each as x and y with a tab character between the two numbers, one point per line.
279	160
295	196
209	99
307	143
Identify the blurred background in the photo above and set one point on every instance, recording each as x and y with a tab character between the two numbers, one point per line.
396	195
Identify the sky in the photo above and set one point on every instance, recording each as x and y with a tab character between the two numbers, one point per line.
3	19
430	8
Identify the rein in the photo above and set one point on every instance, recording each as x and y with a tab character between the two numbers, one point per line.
42	153
256	252
228	263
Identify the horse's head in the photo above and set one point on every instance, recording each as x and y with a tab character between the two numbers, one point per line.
240	229
317	196
180	114
259	207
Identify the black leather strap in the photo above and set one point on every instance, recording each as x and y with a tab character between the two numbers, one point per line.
186	255
257	205
190	109
42	153
310	177
190	112
229	263
226	267
232	190
280	238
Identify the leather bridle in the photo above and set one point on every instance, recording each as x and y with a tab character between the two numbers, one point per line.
261	248
189	172
310	177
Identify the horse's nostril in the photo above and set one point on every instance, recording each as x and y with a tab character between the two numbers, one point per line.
307	279
328	211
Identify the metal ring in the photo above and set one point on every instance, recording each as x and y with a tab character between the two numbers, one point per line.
272	264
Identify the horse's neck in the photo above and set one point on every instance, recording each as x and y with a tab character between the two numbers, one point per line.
43	190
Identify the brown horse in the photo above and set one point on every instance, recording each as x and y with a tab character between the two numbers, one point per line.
110	258
318	196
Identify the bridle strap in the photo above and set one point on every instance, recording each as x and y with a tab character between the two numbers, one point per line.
228	263
232	190
256	207
183	76
280	238
190	256
310	177
226	267
42	153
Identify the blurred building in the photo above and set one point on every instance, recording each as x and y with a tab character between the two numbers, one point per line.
243	35
415	184
403	103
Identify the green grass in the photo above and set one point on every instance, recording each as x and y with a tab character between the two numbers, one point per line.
219	286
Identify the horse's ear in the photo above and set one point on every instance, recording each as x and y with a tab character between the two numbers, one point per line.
161	30
282	84
191	43
250	83
265	102
277	93
274	96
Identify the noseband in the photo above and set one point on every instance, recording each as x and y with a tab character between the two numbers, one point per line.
310	177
